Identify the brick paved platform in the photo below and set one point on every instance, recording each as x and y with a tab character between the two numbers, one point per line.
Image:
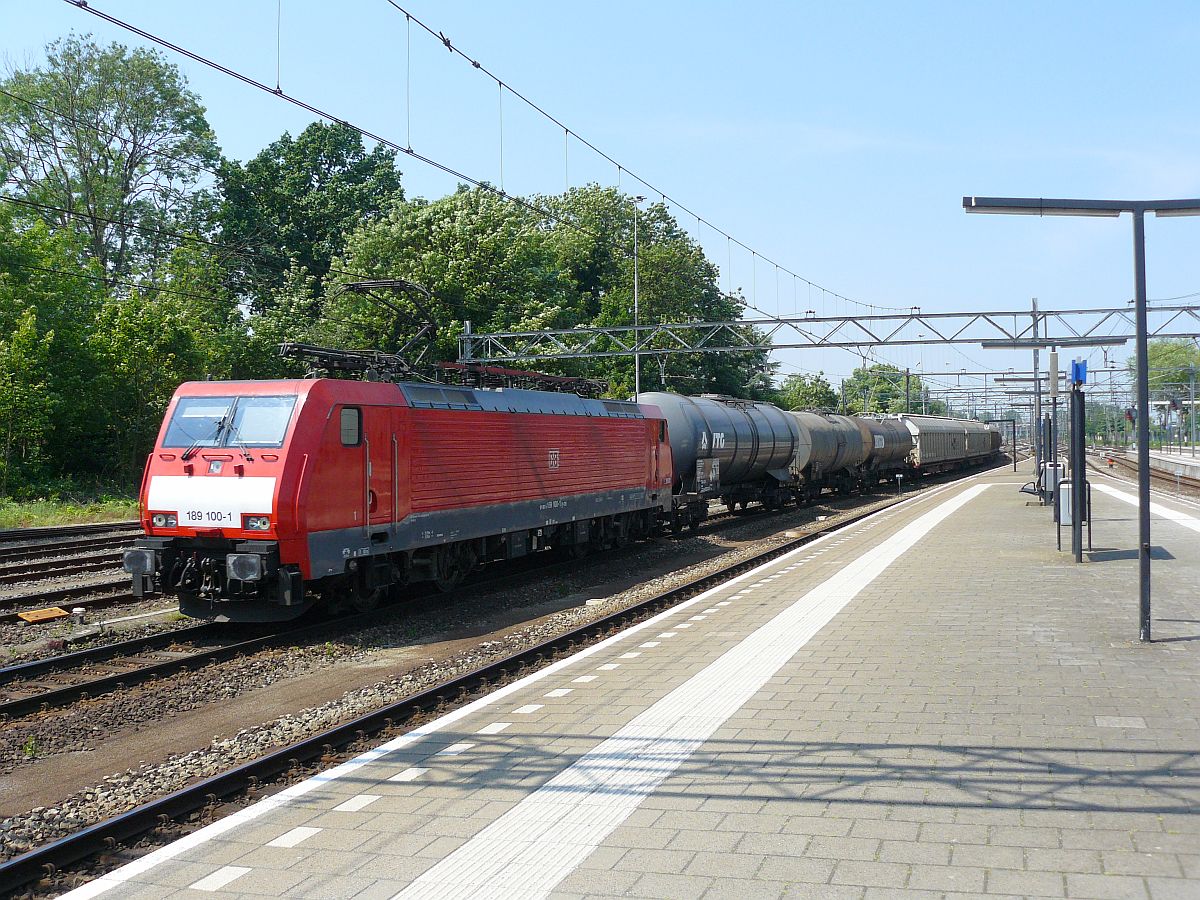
934	702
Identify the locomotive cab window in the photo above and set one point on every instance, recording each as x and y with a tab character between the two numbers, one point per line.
351	422
248	421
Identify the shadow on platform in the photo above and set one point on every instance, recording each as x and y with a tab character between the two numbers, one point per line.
1107	554
1063	776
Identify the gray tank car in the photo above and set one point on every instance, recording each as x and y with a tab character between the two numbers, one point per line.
889	443
739	450
744	452
838	448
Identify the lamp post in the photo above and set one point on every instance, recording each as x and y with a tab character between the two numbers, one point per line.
1112	209
637	338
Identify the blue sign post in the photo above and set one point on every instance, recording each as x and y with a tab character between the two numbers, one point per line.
1079	371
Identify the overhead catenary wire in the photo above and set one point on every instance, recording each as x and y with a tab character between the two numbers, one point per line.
277	265
476	64
323	114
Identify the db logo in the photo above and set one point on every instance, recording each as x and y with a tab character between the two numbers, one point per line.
553	459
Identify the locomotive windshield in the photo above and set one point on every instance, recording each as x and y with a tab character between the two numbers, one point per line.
229	422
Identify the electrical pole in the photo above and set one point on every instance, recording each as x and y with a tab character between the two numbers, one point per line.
637	356
1192	405
1037	411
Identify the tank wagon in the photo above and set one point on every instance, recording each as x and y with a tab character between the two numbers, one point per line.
889	441
261	498
744	452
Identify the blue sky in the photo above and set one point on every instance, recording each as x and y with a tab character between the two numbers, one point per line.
835	138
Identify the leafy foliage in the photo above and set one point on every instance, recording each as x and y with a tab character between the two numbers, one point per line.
880	388
483	259
1174	363
676	283
295	202
151	273
807	392
111	138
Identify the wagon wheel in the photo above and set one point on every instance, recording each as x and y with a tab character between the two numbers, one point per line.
451	564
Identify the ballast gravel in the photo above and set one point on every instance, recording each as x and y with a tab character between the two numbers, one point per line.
82	725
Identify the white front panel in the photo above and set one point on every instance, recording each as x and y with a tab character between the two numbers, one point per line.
211	502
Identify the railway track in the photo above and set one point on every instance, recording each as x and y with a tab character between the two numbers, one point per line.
57	532
1163	479
17	572
25	553
94	595
60	680
290	762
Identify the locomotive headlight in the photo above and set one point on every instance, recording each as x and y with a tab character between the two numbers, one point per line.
257	523
138	562
164	520
244	566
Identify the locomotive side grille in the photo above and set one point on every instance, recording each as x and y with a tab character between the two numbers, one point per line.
449	466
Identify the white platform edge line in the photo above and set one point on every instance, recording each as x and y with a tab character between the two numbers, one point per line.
542	839
1157	509
1154	491
137	867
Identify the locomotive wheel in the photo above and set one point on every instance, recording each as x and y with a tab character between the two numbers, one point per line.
366	600
451	565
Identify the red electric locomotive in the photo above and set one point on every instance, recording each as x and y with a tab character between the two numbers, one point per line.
261	498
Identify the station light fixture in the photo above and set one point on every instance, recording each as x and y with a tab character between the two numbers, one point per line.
1027	206
1044	343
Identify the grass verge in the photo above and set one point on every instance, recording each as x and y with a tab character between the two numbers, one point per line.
32	513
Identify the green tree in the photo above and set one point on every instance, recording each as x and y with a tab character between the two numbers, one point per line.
49	295
676	283
1174	364
807	392
295	203
148	345
27	400
110	139
484	260
880	388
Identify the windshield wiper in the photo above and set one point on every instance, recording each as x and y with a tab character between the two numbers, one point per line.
216	439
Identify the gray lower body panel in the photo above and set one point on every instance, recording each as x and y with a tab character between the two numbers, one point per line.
329	551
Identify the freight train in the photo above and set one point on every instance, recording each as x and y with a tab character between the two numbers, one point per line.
262	499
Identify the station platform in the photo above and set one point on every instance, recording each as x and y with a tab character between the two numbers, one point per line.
1183	463
932	702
